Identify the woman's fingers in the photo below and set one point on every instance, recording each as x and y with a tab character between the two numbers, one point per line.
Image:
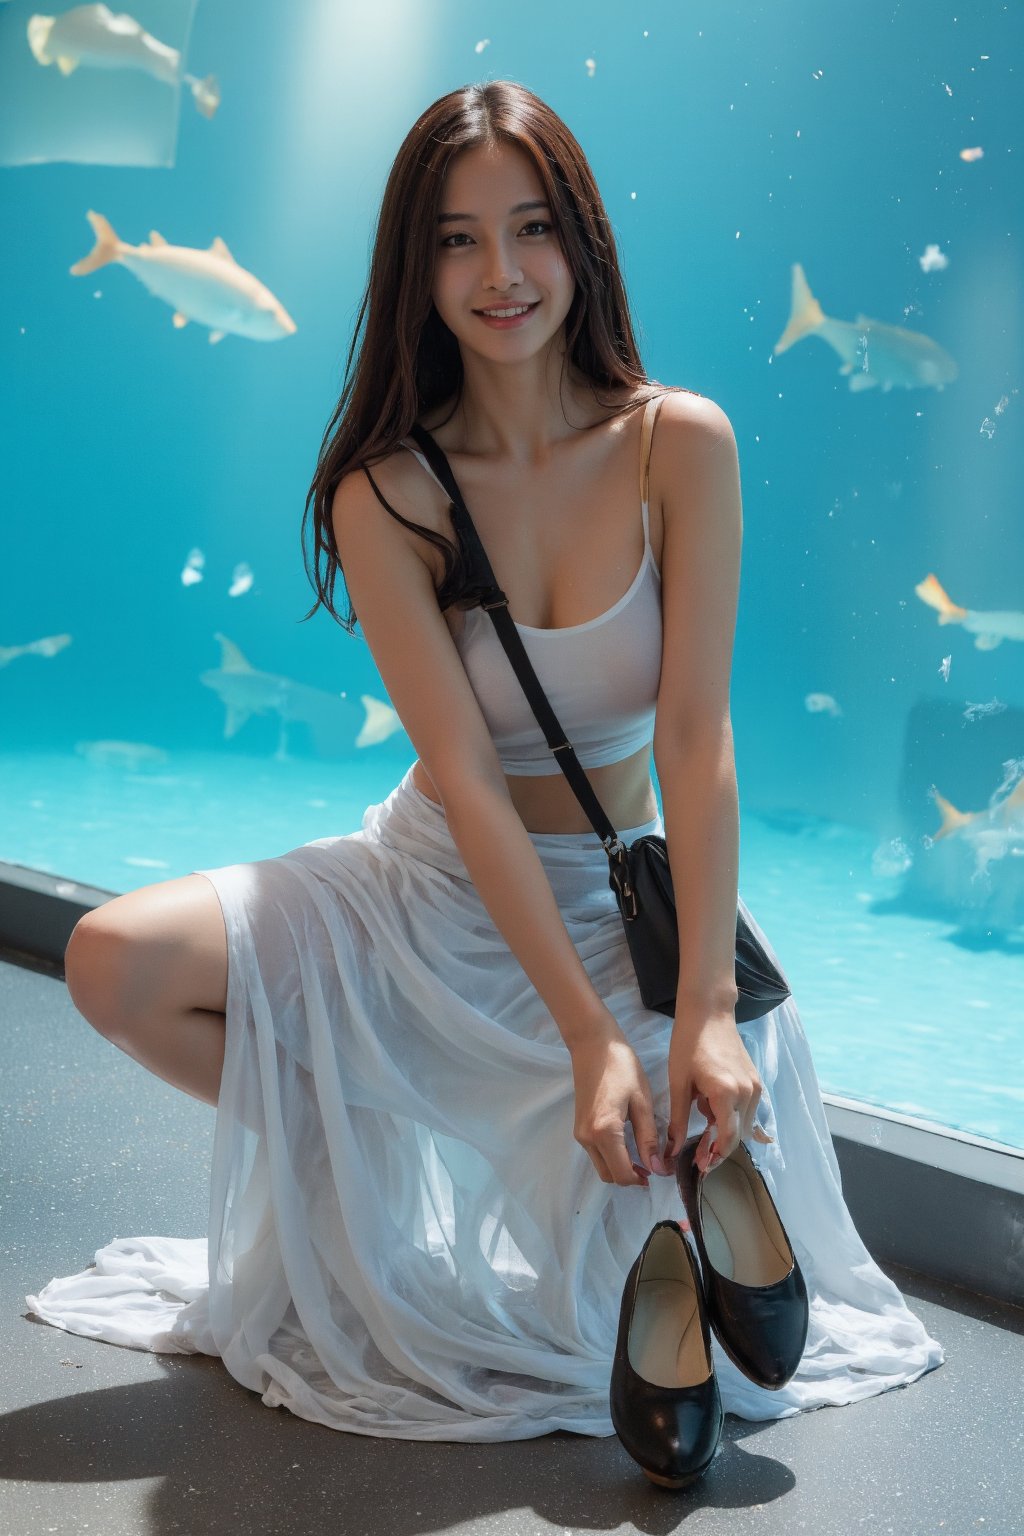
612	1093
734	1122
610	1156
751	1130
645	1131
680	1099
619	1163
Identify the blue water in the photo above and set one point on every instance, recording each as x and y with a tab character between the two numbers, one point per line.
730	140
898	1012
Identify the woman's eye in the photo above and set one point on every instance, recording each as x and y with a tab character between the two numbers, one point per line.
540	224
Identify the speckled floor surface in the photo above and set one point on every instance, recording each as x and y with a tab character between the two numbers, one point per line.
100	1439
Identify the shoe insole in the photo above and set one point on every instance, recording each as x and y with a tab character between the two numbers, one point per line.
666	1345
738	1244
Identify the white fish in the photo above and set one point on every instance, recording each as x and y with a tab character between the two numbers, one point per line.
92	35
121	754
990	627
242	579
193	568
873	353
381	721
245	691
815	703
206	286
49	645
981	711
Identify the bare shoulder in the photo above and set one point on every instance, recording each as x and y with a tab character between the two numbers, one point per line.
693	452
395	601
696	418
407	487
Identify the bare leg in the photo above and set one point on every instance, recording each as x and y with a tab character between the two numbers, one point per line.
149	972
185	1048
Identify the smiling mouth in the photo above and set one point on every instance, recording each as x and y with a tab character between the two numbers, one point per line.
500	315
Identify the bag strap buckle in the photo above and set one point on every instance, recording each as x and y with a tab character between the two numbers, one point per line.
616	851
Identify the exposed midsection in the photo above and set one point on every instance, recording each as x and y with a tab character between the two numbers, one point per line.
547	804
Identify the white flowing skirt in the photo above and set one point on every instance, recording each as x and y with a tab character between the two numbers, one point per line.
404	1238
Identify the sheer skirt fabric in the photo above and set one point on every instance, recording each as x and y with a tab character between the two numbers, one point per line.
404	1238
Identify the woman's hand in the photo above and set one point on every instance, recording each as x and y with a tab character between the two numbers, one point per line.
709	1062
611	1088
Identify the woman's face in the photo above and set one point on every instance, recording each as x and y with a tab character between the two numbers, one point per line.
492	256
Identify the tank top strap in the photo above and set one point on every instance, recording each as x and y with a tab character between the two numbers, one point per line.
646	515
651	410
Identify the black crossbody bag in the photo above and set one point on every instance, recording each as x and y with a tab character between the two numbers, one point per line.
639	873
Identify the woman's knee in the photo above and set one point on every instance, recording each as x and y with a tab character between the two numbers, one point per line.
163	947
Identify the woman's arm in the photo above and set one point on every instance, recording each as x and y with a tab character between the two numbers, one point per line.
512	884
700	808
393	595
698	466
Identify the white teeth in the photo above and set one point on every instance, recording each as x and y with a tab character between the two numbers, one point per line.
506	314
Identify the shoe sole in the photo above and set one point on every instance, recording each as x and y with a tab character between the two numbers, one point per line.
677	1482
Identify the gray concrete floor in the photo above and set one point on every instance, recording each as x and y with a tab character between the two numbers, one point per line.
101	1439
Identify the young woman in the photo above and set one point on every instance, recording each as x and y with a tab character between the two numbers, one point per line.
444	1117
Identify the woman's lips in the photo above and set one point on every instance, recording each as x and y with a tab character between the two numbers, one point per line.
506	324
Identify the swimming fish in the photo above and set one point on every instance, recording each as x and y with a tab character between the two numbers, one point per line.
193	568
121	754
242	579
989	627
1007	813
207	286
49	645
815	703
94	36
381	721
244	691
991	835
873	354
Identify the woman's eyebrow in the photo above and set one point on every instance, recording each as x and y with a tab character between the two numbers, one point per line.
452	218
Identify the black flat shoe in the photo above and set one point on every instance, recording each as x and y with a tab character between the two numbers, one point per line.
755	1293
665	1404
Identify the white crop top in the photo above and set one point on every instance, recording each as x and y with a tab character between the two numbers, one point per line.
601	677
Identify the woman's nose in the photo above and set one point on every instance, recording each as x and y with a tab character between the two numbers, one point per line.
502	269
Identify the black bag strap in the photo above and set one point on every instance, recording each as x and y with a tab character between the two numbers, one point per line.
495	603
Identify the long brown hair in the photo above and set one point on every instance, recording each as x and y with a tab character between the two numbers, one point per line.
409	362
